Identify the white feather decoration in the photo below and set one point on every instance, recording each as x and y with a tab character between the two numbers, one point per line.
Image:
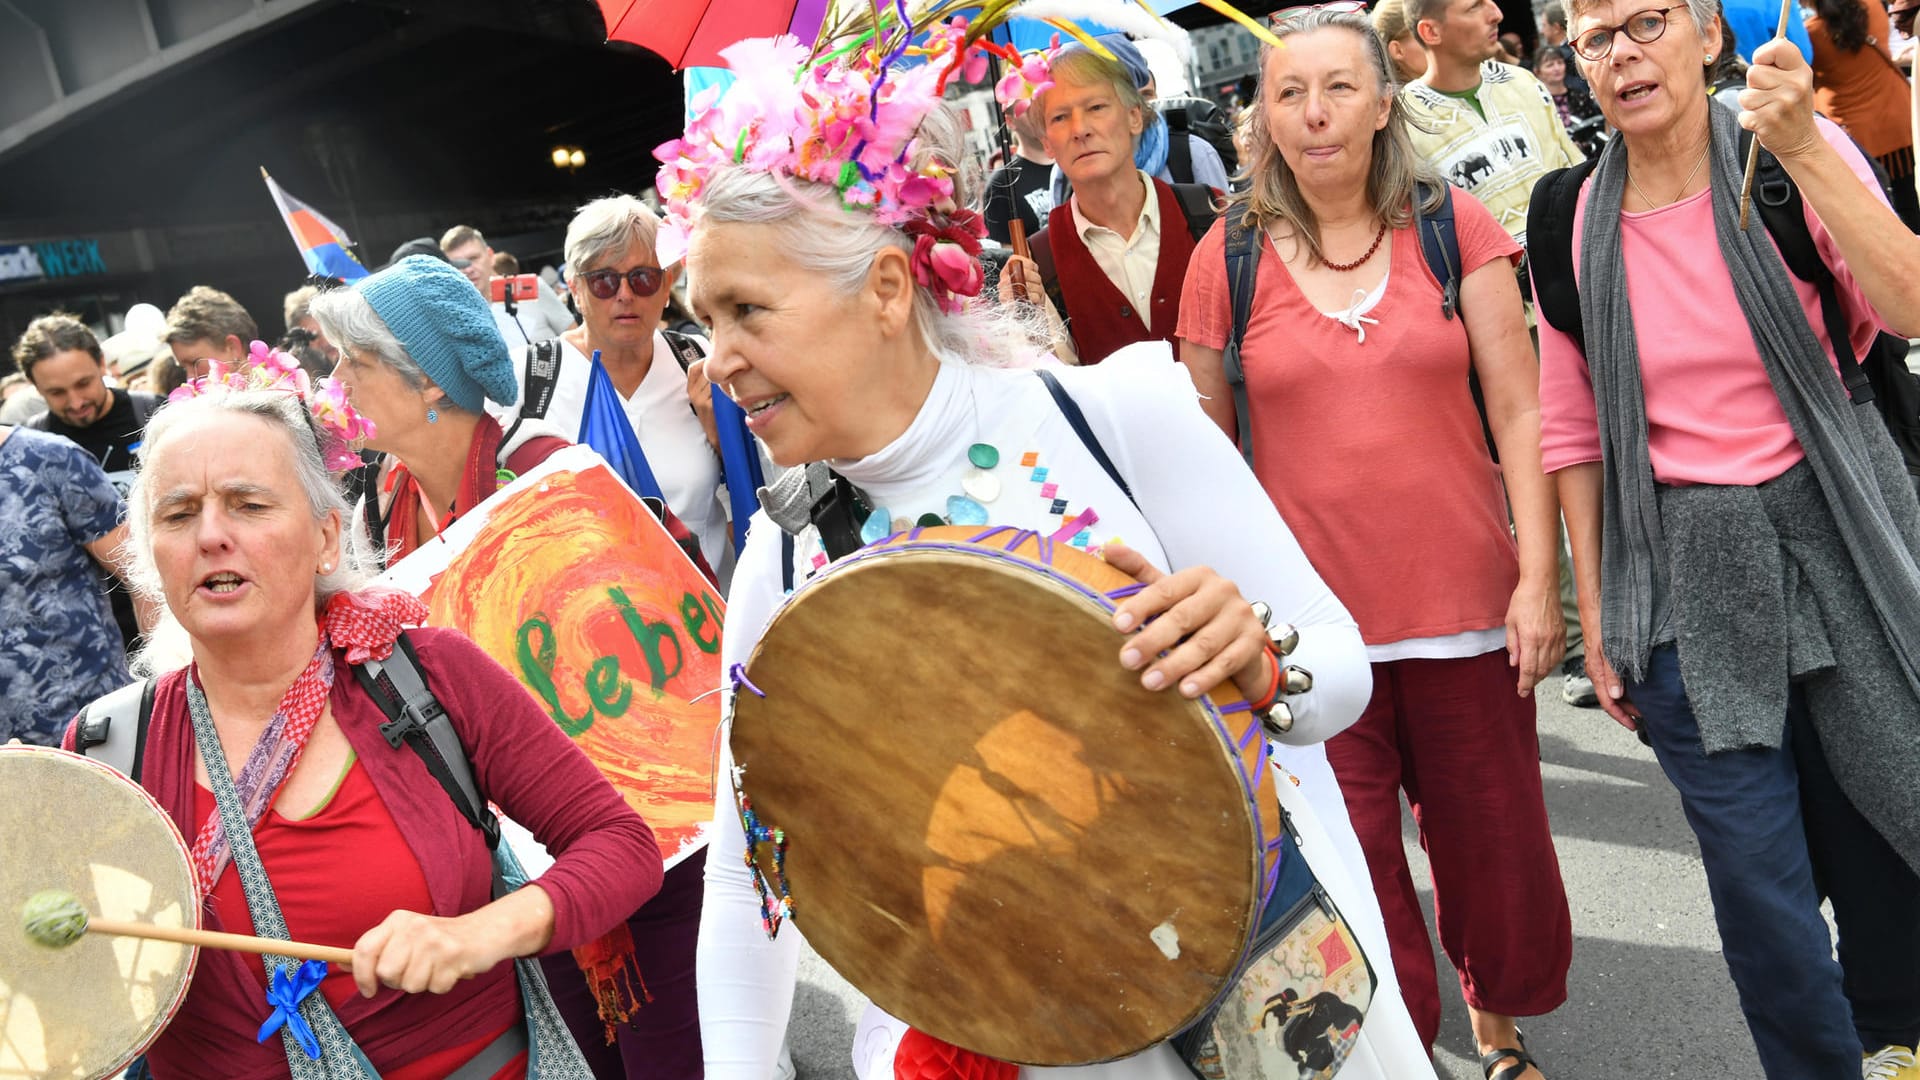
1125	15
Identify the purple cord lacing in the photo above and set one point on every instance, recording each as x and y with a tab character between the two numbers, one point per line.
738	673
1125	591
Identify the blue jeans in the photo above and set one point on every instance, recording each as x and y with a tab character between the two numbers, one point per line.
1776	835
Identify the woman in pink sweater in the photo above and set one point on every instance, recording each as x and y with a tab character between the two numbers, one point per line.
1744	535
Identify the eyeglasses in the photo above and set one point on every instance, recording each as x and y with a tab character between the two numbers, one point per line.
1338	7
1644	27
605	284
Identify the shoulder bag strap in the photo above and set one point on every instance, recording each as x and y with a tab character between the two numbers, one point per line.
1070	409
416	717
1243	268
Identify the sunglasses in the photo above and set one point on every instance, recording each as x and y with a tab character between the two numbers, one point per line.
605	284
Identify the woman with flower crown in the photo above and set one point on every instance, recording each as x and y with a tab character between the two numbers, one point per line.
238	527
836	282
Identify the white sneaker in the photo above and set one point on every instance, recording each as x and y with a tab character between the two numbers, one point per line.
1889	1063
1575	688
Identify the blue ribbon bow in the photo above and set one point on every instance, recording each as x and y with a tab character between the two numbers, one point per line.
285	995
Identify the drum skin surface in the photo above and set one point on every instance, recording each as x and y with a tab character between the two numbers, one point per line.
88	1009
994	831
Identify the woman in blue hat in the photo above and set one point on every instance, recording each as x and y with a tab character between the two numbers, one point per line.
422	356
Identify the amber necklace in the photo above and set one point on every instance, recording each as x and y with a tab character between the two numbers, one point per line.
1344	267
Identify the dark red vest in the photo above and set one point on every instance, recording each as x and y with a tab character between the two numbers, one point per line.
1101	317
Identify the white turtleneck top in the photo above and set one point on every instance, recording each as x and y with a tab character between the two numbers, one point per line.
1198	505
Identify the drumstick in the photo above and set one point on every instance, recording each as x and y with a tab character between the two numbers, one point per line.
1753	150
57	919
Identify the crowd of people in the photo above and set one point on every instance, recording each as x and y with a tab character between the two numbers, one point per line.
1429	363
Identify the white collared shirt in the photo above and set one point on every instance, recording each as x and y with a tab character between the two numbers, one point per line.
1130	262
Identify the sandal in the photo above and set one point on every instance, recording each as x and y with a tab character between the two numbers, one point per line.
1490	1062
1522	1060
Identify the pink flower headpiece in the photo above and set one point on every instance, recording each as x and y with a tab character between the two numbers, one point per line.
1028	76
336	423
848	121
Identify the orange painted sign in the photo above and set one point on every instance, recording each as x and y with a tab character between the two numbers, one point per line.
569	581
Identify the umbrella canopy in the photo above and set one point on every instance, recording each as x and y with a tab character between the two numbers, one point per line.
692	32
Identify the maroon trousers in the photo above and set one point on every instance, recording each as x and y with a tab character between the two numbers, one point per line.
1456	738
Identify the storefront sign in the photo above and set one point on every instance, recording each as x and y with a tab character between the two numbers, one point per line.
52	259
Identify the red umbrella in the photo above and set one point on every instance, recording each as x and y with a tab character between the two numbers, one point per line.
691	33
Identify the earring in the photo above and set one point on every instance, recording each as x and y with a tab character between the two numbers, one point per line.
433	416
326	568
1709	58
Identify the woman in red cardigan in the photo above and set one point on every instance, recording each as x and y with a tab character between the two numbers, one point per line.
237	526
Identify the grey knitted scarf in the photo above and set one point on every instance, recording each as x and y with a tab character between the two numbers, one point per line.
1636	603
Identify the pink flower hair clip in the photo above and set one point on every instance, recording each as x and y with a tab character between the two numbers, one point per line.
335	422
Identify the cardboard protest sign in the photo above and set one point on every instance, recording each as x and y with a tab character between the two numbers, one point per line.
569	581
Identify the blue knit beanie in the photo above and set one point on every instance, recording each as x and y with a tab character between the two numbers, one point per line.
447	327
1130	57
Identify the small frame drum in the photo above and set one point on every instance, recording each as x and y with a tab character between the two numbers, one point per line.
86	1010
985	823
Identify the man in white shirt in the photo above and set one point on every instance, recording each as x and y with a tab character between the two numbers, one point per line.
537	319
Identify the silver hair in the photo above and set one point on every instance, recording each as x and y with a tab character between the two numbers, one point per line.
166	646
1704	13
604	228
840	244
941	136
349	321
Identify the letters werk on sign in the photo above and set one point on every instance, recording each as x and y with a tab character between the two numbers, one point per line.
537	652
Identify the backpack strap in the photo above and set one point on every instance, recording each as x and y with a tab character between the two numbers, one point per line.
113	729
1078	420
143	406
1196	203
537	383
1783	210
1243	267
1556	293
1439	243
1440	247
1179	150
416	717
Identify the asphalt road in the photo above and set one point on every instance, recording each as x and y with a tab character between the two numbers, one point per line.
1648	996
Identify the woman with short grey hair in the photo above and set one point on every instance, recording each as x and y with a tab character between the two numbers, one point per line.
622	291
1744	535
421	355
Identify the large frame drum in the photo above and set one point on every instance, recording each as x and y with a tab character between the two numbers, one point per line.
86	1010
990	828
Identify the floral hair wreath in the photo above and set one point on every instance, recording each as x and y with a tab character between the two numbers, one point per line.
336	424
845	114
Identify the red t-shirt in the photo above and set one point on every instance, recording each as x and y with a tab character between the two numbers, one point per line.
339	872
1373	452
